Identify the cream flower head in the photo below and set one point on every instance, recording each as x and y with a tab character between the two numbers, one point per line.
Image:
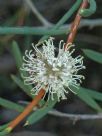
56	72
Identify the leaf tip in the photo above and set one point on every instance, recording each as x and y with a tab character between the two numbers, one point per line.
26	124
8	129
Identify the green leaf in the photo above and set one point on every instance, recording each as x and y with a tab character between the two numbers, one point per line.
18	57
65	17
3	126
20	83
4	133
68	14
17	54
83	95
4	130
96	56
91	10
37	115
25	88
25	30
11	105
96	95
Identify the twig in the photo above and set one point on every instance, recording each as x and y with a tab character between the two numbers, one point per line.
37	13
75	25
70	116
76	117
26	111
91	23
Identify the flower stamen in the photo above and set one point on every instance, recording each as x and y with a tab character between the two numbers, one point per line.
56	73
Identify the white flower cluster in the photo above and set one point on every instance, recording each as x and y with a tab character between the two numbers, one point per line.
55	71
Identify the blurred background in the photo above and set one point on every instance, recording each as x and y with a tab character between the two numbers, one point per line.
18	13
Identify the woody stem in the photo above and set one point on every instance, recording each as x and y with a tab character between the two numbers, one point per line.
27	110
75	25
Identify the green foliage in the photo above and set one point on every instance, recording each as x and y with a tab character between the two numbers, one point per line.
26	88
87	95
10	105
20	83
88	99
94	94
91	10
17	54
37	115
18	58
68	14
93	55
40	31
4	133
3	127
3	130
32	31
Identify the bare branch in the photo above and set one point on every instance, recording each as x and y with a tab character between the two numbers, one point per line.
74	117
91	23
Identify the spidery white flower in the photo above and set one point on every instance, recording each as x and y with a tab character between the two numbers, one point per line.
56	71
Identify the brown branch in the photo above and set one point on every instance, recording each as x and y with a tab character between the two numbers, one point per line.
75	25
27	110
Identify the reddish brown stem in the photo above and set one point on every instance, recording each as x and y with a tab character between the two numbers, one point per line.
75	25
27	110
